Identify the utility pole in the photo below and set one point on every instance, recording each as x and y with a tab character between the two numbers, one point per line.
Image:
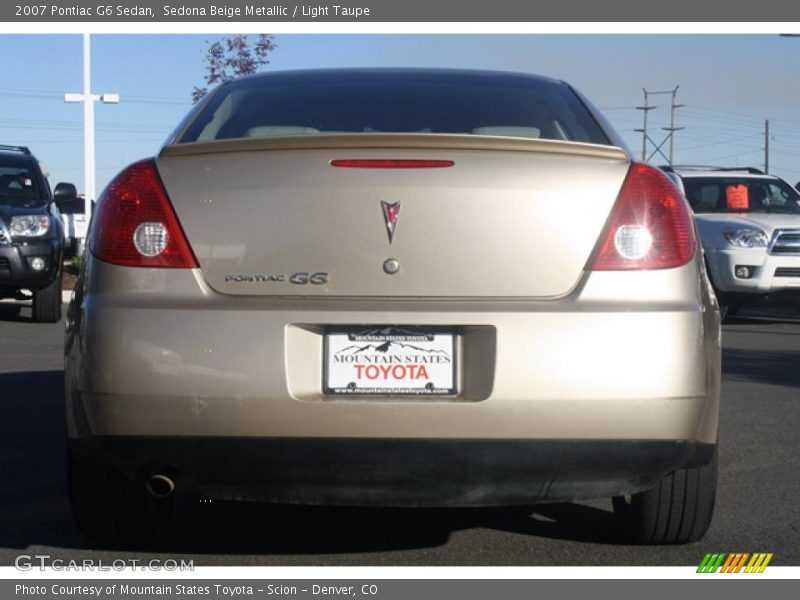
671	129
646	108
88	100
766	146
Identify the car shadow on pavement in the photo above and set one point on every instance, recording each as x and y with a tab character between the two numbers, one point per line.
33	505
778	367
251	529
12	313
34	509
782	314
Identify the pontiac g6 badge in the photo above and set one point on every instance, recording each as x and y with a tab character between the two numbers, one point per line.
391	211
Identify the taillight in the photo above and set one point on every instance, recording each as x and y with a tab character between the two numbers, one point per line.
650	226
135	224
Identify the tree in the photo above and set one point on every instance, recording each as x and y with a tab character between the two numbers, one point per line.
233	57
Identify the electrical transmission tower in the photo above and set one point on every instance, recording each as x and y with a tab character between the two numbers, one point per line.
670	137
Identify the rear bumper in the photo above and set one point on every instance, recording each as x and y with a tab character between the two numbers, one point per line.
167	358
395	472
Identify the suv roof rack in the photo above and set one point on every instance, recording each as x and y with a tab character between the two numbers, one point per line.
673	168
20	149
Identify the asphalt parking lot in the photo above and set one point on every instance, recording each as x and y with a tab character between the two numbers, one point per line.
757	509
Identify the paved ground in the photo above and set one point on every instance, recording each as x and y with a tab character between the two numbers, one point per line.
757	508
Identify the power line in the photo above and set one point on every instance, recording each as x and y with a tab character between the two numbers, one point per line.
743	115
50	94
786	125
716	143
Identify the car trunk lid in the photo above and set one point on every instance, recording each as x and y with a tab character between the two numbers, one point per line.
509	218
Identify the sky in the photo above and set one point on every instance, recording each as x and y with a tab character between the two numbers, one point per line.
729	85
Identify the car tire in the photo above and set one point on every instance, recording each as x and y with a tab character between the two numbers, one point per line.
677	510
107	507
47	302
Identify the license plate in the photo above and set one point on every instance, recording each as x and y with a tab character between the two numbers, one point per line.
389	361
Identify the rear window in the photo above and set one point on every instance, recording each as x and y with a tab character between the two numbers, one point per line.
369	103
740	194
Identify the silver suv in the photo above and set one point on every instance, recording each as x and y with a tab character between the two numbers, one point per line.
749	225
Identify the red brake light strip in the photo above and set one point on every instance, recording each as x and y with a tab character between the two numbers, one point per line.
391	163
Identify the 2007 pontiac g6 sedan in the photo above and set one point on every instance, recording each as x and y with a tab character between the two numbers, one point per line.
419	288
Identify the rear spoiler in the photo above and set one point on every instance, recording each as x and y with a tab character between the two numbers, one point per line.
396	141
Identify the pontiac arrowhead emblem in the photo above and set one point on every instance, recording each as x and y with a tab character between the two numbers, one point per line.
391	211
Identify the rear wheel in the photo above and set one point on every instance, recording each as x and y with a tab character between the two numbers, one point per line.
47	302
676	511
107	507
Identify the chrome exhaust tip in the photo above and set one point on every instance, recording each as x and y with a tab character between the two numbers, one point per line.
160	486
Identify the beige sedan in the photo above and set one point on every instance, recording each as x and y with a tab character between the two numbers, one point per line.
393	288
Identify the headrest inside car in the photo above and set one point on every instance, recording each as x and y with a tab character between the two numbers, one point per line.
506	131
279	130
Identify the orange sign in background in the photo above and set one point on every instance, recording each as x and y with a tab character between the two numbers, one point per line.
737	197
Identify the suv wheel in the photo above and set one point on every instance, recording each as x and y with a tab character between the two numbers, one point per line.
676	511
107	507
47	302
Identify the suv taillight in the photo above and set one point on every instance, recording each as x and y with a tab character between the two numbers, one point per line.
135	224
650	226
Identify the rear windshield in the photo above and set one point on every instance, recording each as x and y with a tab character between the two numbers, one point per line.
18	183
502	106
740	194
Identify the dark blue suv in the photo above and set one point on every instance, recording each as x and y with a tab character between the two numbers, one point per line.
31	233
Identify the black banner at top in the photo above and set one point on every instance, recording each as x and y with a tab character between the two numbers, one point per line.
442	11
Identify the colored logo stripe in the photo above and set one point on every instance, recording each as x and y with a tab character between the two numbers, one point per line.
711	562
758	563
733	563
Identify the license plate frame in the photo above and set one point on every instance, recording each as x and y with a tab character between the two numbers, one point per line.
426	355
